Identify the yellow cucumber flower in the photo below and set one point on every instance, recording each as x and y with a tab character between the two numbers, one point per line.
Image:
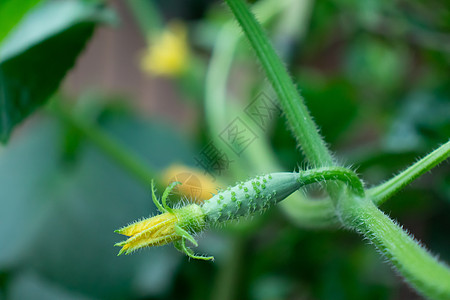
168	53
195	185
156	231
176	225
173	225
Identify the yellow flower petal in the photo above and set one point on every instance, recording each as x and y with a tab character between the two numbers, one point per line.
155	231
145	224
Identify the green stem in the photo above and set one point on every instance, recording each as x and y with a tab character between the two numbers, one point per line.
220	65
302	125
120	154
333	173
218	70
381	193
421	269
301	211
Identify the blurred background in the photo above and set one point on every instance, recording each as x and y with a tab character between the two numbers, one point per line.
169	90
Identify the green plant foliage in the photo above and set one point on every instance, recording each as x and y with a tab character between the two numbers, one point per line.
373	78
422	270
11	13
38	53
52	204
332	102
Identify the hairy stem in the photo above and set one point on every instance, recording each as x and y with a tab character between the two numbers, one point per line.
421	269
302	125
302	211
333	173
381	193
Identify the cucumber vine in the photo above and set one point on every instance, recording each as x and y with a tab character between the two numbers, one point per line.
347	202
352	206
245	198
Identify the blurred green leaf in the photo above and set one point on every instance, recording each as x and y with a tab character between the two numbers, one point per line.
11	12
60	222
271	287
420	122
35	57
32	286
332	102
24	185
376	65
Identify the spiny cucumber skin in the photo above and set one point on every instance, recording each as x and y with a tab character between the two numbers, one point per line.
247	197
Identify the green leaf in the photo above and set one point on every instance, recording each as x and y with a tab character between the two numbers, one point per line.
11	13
37	55
58	219
29	285
332	102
